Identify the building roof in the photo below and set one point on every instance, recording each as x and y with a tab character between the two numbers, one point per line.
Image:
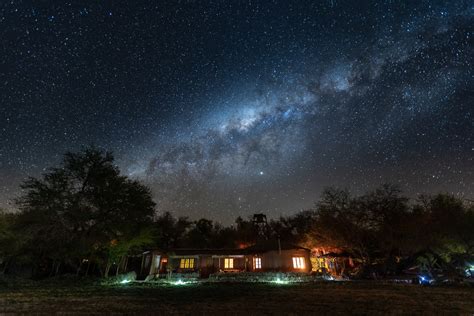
204	251
263	246
272	245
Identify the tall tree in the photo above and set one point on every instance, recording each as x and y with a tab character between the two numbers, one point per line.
448	234
170	231
368	226
77	209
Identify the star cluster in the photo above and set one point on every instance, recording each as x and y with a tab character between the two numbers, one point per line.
230	108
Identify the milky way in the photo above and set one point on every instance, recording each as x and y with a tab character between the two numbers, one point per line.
228	109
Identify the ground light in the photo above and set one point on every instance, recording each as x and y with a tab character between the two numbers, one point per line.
328	277
470	270
125	281
425	279
179	282
280	281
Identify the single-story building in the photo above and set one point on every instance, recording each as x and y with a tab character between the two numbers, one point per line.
262	257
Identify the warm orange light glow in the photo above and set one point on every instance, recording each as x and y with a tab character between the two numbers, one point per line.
298	262
228	263
186	263
243	245
257	263
319	251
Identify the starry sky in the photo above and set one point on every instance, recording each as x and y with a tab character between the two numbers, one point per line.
228	108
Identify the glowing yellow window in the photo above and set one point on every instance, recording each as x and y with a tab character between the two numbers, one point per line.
186	263
228	263
298	262
257	263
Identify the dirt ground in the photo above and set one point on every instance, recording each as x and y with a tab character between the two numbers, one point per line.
241	298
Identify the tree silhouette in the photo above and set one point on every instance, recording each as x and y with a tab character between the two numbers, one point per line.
76	212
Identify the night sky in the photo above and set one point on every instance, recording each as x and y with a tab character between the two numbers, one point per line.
230	108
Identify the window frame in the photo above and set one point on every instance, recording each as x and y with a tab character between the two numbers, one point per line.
228	263
187	263
257	263
298	263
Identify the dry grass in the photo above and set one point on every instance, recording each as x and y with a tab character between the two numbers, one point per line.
238	298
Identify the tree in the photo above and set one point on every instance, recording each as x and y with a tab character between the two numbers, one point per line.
170	231
293	229
341	223
75	210
369	227
202	234
10	241
381	229
246	233
448	241
118	249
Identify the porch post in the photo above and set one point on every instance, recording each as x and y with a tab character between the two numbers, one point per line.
143	263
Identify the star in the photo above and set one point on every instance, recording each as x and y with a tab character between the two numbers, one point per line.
226	101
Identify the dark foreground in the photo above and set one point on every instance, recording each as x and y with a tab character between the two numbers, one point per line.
296	299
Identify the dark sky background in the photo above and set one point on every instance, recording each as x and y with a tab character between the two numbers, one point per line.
228	108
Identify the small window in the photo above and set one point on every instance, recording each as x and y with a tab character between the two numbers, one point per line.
186	263
298	262
228	263
257	263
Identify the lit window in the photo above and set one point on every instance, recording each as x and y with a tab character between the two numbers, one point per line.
186	263
257	263
298	262
228	263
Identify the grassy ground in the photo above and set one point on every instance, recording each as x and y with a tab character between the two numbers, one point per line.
295	299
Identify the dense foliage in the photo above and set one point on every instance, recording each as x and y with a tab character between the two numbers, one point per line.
384	231
79	212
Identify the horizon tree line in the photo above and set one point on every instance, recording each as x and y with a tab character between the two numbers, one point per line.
84	217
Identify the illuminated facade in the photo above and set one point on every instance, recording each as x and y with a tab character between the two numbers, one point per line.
262	257
332	261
